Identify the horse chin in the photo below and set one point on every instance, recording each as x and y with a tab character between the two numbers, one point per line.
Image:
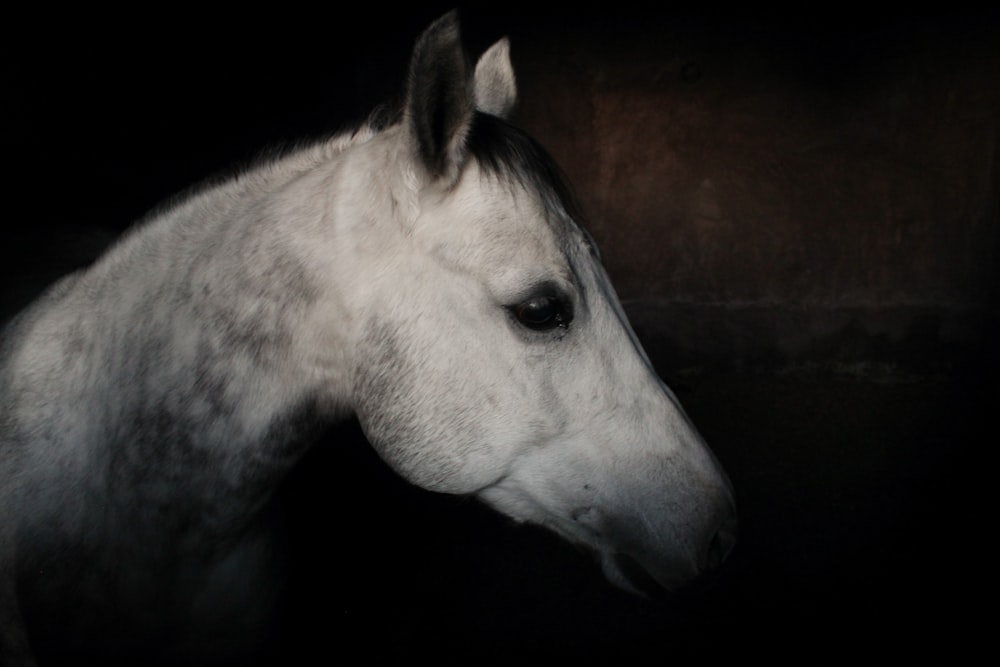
627	574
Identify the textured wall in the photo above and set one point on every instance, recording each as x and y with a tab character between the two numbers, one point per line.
782	192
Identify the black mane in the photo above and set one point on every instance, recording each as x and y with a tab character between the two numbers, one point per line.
506	152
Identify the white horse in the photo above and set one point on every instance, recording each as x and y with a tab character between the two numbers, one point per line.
428	277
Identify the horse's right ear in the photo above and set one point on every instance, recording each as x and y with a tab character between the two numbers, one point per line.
440	101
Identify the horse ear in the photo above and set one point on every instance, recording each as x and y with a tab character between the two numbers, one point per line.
496	90
439	101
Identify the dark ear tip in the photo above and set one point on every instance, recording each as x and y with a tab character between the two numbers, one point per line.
449	18
440	37
446	28
439	102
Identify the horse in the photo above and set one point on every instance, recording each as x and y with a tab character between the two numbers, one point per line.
427	274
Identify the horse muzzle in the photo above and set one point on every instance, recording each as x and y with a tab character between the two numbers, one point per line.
649	569
646	552
648	539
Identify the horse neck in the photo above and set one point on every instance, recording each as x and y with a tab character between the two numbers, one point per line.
192	345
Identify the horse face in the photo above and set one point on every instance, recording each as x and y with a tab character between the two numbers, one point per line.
503	364
508	370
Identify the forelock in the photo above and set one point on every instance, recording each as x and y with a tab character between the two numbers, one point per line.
508	154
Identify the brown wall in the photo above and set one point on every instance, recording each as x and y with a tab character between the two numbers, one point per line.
786	194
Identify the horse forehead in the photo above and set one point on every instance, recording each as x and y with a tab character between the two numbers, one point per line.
502	224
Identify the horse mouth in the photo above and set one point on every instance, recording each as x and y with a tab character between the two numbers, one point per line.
627	572
654	577
639	580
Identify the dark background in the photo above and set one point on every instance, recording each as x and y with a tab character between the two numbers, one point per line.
799	212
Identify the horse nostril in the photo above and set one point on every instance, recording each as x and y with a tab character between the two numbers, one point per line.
722	543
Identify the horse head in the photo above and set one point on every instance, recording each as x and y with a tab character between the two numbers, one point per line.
495	359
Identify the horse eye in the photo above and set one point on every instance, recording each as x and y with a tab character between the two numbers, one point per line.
541	313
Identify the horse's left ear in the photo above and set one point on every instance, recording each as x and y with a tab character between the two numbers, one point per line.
439	102
496	90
